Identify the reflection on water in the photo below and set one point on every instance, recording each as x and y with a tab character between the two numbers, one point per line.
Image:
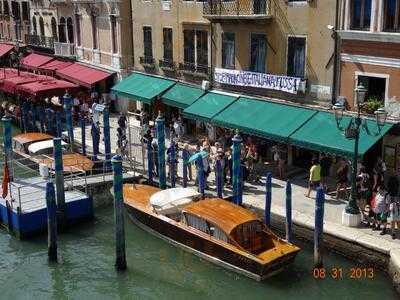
158	270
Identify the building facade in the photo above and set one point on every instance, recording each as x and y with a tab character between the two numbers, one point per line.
14	20
223	41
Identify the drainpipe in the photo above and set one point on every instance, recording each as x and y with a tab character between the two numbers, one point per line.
336	61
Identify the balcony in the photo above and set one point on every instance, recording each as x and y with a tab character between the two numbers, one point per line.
39	41
194	70
147	61
237	10
167	65
64	49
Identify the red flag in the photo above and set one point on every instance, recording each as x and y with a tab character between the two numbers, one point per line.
6	180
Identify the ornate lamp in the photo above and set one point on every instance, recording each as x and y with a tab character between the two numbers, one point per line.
338	108
361	92
381	116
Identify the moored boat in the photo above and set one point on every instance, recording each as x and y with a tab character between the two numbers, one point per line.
215	229
37	147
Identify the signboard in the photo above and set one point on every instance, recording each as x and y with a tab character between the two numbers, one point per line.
258	80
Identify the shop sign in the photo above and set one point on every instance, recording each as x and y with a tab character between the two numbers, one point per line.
257	80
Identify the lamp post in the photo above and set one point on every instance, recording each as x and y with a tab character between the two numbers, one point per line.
17	56
351	215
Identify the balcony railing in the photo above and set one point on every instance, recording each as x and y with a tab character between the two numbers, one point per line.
237	9
147	61
64	49
167	64
39	41
194	69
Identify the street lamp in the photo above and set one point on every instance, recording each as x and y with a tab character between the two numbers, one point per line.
351	215
17	56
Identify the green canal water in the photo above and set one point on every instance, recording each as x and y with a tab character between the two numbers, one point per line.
158	270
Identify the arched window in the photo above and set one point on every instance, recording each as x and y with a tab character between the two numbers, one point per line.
61	31
70	30
94	31
34	25
41	26
113	23
78	29
54	28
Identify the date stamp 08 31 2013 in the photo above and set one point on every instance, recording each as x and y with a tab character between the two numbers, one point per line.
338	273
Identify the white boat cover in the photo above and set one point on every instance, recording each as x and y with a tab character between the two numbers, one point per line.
38	146
173	196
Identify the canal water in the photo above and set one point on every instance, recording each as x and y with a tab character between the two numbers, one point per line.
158	270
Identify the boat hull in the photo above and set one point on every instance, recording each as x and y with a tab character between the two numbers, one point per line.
207	248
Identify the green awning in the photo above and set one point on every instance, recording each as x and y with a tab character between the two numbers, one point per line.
262	118
182	95
320	133
142	87
206	107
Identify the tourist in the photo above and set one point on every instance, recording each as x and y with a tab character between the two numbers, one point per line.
379	173
229	164
341	178
186	164
220	157
394	207
154	149
206	163
381	209
279	161
315	176
177	125
364	190
325	163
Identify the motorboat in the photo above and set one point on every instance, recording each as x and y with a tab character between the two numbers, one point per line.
212	228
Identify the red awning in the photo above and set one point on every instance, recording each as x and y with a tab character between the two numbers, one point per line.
82	75
10	84
5	48
7	73
55	65
46	88
33	61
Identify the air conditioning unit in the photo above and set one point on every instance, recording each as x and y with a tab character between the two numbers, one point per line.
205	85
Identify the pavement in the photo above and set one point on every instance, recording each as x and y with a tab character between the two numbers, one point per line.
303	207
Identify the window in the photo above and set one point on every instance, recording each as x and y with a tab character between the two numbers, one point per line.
54	28
228	50
78	29
61	31
168	46
147	42
15	10
70	30
391	15
94	31
6	8
202	48
376	87
296	56
113	24
41	26
258	52
361	14
34	25
188	46
25	11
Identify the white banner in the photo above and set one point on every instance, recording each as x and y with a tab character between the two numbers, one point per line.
257	80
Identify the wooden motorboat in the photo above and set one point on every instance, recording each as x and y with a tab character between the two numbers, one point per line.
37	147
215	229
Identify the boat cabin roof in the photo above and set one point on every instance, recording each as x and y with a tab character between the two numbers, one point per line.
30	137
39	146
226	215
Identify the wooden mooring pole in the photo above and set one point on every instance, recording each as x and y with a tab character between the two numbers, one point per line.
288	212
51	222
160	127
185	158
319	227
200	175
268	199
172	167
59	178
120	262
149	161
218	178
83	134
236	169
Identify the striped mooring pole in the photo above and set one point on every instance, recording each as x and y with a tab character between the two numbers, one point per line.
51	222
236	180
107	138
160	124
95	141
288	224
319	227
68	118
172	169
200	175
49	117
120	261
7	140
83	134
219	178
268	199
25	117
58	124
33	113
185	158
42	116
59	178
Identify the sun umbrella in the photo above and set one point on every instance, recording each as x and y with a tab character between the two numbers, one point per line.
194	157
